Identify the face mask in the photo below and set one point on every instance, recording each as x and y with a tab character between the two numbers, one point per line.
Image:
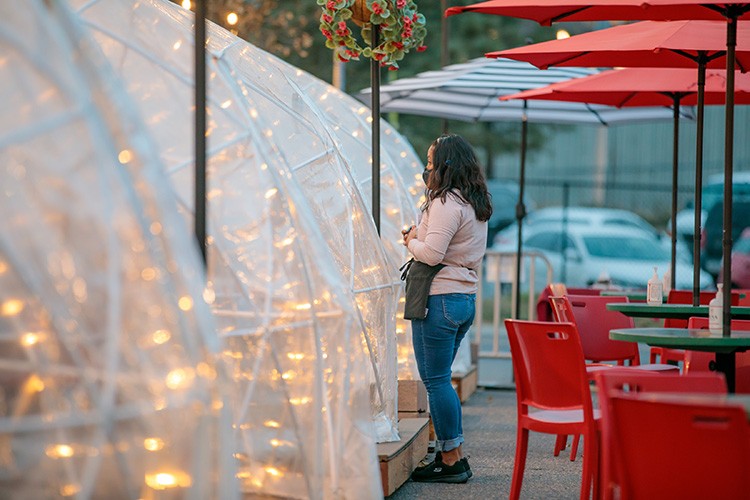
426	176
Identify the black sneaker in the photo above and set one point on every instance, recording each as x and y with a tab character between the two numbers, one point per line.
465	461
438	472
438	458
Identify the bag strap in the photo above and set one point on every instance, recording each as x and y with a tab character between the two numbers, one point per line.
405	268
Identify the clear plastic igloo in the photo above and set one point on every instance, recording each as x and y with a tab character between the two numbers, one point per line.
107	357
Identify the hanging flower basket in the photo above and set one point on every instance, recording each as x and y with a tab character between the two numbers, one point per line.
401	27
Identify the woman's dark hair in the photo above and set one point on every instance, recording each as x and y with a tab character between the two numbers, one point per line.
456	167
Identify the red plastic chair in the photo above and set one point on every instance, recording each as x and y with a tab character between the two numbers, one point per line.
665	354
594	321
696	361
613	382
680	450
543	306
551	379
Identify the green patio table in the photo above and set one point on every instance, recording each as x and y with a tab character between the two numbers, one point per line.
680	311
692	339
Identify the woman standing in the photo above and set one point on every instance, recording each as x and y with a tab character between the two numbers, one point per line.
453	232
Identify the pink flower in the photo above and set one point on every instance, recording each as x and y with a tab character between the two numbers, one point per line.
421	48
327	18
400	4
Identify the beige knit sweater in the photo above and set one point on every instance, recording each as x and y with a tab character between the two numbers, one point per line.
449	233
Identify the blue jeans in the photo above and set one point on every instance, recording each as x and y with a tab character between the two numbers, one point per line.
436	339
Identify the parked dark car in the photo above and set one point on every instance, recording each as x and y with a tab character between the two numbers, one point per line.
504	199
740	261
711	252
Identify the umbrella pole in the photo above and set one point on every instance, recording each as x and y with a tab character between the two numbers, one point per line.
697	223
675	164
520	210
728	165
200	128
375	110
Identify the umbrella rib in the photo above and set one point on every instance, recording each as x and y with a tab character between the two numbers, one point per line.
596	113
571	12
571	57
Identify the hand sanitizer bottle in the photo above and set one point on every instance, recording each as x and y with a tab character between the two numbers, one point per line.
654	290
715	318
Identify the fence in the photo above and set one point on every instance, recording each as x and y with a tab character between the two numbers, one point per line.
496	300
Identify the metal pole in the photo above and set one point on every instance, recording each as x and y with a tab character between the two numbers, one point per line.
698	223
675	165
375	110
200	127
521	208
726	240
444	56
564	240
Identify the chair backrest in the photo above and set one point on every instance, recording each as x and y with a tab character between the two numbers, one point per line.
621	380
686	297
680	450
561	310
543	305
594	322
548	366
699	362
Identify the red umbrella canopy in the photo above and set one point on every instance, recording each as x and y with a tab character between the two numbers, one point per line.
546	12
641	87
658	44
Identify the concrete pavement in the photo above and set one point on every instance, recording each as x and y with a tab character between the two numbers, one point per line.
489	421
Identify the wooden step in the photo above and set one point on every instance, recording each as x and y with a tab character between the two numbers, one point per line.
465	384
400	458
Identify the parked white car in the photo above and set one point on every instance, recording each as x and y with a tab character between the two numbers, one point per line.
599	242
506	240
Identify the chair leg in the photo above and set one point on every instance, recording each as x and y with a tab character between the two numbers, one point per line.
590	461
519	464
560	443
574	447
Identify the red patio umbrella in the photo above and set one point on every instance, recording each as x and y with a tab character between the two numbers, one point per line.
549	11
641	87
546	12
656	44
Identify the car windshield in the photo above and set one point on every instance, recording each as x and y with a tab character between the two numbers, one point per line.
621	247
742	246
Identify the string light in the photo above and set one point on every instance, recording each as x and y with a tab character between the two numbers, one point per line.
232	19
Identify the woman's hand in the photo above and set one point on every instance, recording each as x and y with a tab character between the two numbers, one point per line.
409	234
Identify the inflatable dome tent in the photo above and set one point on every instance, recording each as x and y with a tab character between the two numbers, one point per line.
295	343
402	188
108	350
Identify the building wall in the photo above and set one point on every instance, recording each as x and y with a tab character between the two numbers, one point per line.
626	166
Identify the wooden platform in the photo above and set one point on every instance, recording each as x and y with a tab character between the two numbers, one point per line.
412	396
465	383
399	459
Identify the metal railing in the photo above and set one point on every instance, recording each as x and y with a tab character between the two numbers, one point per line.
498	270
